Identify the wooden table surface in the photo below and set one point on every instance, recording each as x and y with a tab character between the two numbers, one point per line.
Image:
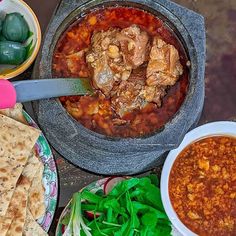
220	79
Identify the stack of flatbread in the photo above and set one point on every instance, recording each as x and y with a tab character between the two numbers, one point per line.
21	172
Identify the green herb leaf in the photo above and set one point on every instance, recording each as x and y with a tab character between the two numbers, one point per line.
91	197
132	208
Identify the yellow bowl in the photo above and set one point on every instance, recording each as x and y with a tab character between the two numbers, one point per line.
9	6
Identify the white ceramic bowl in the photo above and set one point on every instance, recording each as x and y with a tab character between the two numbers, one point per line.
9	6
211	129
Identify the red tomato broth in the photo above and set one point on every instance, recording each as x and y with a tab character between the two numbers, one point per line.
78	36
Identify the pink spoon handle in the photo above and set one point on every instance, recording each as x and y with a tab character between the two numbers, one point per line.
7	94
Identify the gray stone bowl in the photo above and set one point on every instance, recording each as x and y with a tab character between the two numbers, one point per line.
112	156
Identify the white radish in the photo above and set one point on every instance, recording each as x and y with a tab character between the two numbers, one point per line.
111	183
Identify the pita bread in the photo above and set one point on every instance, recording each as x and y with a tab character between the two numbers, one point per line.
17	208
21	220
36	195
28	173
15	113
32	226
32	166
16	143
36	192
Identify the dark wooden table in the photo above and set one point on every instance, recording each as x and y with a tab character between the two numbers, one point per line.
220	100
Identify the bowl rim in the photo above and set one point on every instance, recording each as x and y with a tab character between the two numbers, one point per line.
26	65
227	128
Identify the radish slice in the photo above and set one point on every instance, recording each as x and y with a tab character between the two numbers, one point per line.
91	216
63	228
111	183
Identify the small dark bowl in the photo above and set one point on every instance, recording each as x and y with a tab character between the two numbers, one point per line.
106	155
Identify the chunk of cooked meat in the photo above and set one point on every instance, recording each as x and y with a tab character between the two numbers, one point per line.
135	45
135	93
164	67
126	97
103	77
153	94
106	60
117	59
138	75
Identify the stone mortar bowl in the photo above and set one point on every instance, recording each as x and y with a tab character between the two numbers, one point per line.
106	155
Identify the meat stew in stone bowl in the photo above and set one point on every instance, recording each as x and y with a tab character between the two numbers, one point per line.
137	65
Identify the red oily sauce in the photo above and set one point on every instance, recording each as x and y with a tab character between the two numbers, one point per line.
66	63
